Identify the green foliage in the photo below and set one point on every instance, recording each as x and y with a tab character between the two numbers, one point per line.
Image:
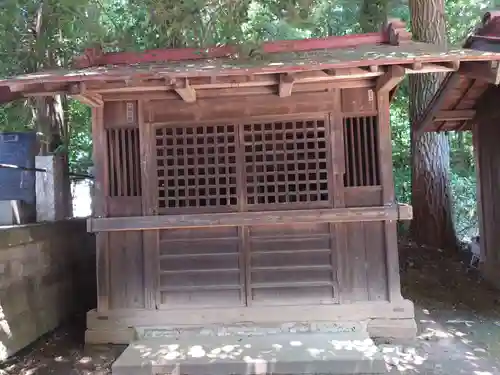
68	26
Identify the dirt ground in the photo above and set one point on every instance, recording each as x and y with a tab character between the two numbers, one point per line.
457	312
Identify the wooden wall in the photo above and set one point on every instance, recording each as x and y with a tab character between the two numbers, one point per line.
486	134
136	141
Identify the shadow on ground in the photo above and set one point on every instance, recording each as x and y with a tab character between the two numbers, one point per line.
457	312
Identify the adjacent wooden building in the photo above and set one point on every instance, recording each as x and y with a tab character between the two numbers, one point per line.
470	103
233	189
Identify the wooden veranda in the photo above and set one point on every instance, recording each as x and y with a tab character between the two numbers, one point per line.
253	188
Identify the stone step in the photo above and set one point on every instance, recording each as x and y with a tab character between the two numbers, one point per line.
279	354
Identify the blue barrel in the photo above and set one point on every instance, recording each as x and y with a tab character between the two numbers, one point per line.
18	148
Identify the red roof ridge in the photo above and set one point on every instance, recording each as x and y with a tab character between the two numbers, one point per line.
392	33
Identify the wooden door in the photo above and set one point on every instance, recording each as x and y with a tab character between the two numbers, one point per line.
241	167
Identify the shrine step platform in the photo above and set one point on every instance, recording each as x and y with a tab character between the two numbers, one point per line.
282	353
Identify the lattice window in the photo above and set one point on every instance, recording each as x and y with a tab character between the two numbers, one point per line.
196	167
286	162
361	151
124	162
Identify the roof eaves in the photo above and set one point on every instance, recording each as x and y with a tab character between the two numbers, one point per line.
486	37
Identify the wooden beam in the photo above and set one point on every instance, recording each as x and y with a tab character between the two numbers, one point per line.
185	91
119	95
419	68
335	215
355	72
92	100
391	79
286	85
79	92
455	115
488	71
450	83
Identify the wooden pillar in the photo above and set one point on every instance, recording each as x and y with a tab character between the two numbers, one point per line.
100	209
486	134
480	218
150	237
388	195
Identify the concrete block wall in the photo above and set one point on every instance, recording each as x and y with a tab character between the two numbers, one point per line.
47	273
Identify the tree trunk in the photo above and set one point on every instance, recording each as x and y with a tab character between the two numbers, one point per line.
431	194
373	14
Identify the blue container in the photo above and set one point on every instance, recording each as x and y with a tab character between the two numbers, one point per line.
18	149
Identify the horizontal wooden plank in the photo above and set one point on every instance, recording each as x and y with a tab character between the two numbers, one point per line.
455	115
335	215
296	284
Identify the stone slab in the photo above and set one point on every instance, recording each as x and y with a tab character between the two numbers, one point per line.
341	329
306	353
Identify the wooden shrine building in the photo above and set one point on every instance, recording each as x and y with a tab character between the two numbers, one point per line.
254	188
470	103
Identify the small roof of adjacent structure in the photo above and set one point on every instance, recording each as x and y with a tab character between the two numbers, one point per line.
453	107
281	64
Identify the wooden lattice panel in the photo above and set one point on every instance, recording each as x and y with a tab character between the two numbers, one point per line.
196	167
124	162
286	163
361	151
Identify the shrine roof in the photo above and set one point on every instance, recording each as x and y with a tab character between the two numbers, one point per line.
453	107
391	46
361	56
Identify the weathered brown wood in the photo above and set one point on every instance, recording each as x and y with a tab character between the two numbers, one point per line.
375	245
448	85
488	71
94	100
392	261
337	151
455	115
337	215
243	202
286	85
102	271
479	192
444	67
100	207
149	207
363	196
356	263
291	264
204	263
258	85
240	108
391	79
385	163
358	100
485	136
361	146
126	270
185	91
385	148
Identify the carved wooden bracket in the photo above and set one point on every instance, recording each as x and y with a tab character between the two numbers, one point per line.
80	93
185	90
395	32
